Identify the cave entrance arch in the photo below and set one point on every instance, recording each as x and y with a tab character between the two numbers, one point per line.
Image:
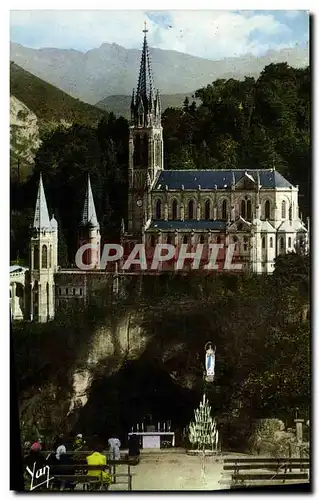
141	389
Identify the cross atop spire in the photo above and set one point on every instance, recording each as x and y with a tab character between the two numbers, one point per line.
145	30
41	217
89	214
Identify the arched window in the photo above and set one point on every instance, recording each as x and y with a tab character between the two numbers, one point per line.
36	257
271	242
207	209
218	239
281	242
248	209
263	242
137	151
152	240
235	242
174	210
191	209
44	257
145	150
243	209
224	210
50	256
283	209
290	213
267	209
158	209
289	242
202	239
169	239
185	239
245	243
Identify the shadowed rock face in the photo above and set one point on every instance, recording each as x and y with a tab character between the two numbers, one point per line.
139	389
112	69
128	376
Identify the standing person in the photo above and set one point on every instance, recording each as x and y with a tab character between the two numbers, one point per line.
114	448
78	443
97	458
78	446
134	446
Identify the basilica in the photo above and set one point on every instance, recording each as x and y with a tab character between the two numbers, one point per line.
254	209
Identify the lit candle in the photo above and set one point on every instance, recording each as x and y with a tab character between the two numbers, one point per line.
164	427
137	428
158	427
142	427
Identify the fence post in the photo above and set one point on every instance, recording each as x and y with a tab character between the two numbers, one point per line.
129	478
299	422
290	456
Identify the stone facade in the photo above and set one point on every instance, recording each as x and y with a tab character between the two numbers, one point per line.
257	210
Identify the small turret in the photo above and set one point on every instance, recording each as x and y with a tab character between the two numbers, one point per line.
90	230
41	222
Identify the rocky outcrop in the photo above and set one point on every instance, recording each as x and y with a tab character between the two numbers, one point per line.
112	344
269	438
24	131
122	339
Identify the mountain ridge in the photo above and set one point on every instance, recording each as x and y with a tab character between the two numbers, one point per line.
113	70
47	102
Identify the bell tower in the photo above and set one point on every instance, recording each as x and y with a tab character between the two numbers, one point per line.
44	261
145	142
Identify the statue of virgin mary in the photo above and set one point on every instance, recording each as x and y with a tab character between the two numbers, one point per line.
210	362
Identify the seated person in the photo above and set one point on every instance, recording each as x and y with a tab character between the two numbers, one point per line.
34	461
62	459
97	458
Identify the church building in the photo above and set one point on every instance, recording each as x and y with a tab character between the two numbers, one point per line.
255	209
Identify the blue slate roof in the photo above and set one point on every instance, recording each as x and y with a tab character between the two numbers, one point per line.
223	179
199	225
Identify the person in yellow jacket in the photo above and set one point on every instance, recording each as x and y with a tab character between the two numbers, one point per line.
97	458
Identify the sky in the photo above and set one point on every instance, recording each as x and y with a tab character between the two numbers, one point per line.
210	34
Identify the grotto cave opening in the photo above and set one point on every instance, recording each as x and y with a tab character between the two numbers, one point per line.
140	390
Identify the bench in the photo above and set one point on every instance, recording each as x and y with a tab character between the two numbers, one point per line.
266	469
80	474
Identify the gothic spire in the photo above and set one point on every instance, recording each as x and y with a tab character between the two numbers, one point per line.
145	106
89	214
145	87
41	217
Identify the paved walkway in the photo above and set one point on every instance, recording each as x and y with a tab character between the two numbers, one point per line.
174	470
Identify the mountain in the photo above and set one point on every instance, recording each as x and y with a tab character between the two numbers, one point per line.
48	103
120	104
113	70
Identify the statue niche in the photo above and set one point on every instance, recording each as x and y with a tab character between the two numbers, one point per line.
141	151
